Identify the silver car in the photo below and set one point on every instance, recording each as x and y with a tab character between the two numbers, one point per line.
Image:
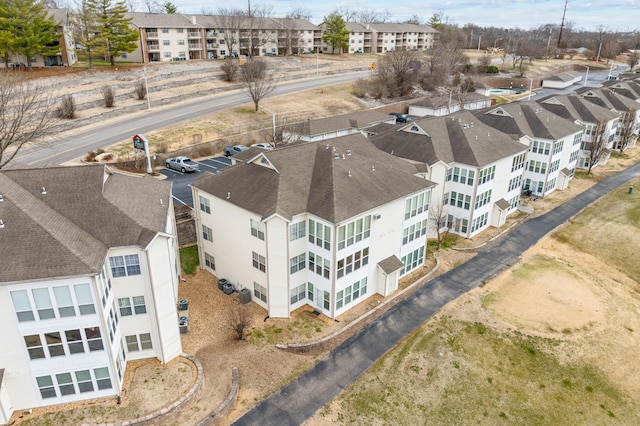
182	163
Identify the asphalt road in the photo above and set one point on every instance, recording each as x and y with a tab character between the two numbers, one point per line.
76	143
299	400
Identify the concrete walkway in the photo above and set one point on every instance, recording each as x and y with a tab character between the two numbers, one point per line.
299	400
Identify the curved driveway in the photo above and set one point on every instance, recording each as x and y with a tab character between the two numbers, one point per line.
299	400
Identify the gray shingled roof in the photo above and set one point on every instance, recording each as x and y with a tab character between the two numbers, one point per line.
563	76
456	138
160	20
573	107
68	230
401	28
307	178
390	264
608	99
354	120
527	118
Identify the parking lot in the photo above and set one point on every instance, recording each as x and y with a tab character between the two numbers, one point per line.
181	190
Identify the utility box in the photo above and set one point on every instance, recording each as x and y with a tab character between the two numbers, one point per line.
221	283
183	324
245	296
183	305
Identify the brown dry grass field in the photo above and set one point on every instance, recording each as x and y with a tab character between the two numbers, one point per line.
550	341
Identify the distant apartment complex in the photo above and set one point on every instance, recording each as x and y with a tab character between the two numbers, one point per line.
88	282
383	38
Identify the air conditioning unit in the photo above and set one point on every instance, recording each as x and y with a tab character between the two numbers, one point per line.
376	216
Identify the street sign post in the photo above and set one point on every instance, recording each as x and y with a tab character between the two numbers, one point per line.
141	146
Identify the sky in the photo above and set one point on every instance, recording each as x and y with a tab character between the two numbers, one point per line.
612	15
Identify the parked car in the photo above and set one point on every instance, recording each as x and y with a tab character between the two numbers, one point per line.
234	149
263	145
182	163
401	118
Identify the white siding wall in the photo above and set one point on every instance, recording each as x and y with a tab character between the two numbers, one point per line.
278	267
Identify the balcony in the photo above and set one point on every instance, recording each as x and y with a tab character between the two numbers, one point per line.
212	45
195	46
191	34
152	34
153	47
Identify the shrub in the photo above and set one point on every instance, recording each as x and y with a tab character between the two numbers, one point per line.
67	108
140	89
492	69
229	68
109	96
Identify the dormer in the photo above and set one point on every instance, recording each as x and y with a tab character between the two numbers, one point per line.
262	160
500	112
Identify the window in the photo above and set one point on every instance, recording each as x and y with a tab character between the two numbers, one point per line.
259	262
550	185
297	230
412	260
207	233
257	229
166	42
122	266
64	301
125	307
449	174
165	30
540	147
94	338
125	304
180	42
487	174
351	293
460	200
54	344
209	261
319	265
45	384
558	147
354	232
326	301
298	263
34	346
538	167
310	291
74	341
145	341
479	222
65	384
414	231
83	296
297	293
515	182
554	166
180	30
574	156
139	306
83	377
167	54
43	303
518	162
353	262
483	199
102	378
319	234
22	305
204	204
416	205
132	342
260	292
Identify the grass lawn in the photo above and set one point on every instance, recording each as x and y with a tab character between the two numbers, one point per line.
189	259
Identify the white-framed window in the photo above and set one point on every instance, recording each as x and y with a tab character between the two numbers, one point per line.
319	234
180	42
182	54
64	301
43	303
351	293
574	156
463	175
22	305
479	222
558	147
554	166
353	262
487	174
518	161
166	42
259	262
310	291
71	383
416	204
297	230
167	54
260	292
414	231
83	296
130	305
540	147
483	199
209	261
354	232
139	342
298	263
205	206
257	229
165	30
207	233
460	200
124	266
297	293
319	265
412	260
538	167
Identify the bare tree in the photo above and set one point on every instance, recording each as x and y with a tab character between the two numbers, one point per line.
239	320
627	127
395	71
632	59
231	21
597	148
439	221
26	115
229	68
256	81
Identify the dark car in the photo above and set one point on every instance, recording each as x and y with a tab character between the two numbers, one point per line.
401	118
234	149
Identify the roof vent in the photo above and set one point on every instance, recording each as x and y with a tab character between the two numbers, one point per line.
373	168
391	152
476	137
228	195
349	173
344	157
1	197
471	124
348	152
336	156
44	191
327	146
488	134
161	203
1	223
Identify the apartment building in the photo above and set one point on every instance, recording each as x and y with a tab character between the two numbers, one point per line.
478	170
325	224
382	38
175	37
88	282
589	116
553	143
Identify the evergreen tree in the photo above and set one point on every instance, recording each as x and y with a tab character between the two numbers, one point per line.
170	8
85	22
32	32
6	36
116	35
336	33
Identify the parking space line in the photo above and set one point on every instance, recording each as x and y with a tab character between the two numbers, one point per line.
205	164
221	162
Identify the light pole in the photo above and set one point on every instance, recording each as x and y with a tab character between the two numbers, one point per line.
146	85
613	66
449	104
586	76
496	42
530	88
479	39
